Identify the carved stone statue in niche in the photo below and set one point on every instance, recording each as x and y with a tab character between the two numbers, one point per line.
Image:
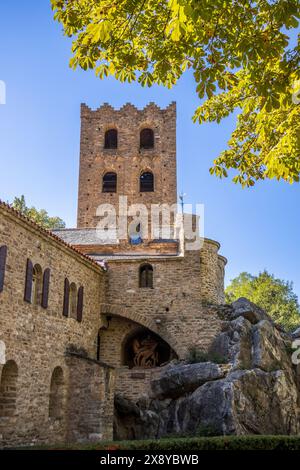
145	354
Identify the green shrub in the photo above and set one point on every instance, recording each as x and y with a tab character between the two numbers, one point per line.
206	431
217	443
253	442
196	355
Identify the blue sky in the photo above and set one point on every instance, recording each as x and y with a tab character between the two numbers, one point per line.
39	146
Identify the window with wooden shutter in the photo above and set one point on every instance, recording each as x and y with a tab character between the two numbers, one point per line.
3	256
37	285
46	283
80	304
73	298
28	281
66	298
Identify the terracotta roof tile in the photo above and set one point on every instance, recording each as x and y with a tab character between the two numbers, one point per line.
49	234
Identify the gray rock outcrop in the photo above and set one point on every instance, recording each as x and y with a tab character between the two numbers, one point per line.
185	378
256	392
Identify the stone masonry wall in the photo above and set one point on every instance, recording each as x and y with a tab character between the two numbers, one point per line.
133	383
90	408
182	290
35	338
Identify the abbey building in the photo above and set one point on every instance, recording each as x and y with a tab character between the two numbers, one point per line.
90	312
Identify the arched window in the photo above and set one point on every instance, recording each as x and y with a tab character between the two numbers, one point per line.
146	276
57	395
37	285
8	389
109	184
111	139
146	182
147	139
73	301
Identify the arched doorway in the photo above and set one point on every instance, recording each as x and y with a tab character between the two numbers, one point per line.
57	394
8	390
145	349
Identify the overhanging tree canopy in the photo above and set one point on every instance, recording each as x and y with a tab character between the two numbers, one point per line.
40	217
275	296
241	55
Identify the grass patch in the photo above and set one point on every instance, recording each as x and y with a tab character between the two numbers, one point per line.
196	355
191	443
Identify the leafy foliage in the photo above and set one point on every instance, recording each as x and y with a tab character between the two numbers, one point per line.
275	296
41	217
250	442
241	56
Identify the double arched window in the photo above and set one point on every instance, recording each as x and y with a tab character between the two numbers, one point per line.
147	139
146	276
146	182
37	284
109	183
73	300
110	179
111	139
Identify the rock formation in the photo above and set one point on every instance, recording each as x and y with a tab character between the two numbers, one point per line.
255	391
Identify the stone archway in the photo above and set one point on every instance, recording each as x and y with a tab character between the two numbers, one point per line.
122	311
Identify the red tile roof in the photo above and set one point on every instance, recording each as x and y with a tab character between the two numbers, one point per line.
48	233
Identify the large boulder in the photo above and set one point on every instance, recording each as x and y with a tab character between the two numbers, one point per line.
296	333
244	308
245	402
135	420
269	351
234	343
177	381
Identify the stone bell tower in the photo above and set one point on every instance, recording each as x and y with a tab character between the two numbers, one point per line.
126	152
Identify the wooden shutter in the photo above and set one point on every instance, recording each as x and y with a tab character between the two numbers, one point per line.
46	283
28	281
3	255
80	304
66	298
